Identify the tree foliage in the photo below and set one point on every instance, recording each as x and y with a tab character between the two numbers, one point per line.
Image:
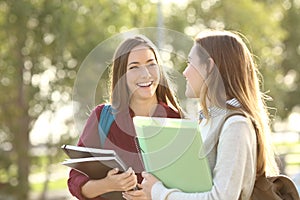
43	44
287	78
259	21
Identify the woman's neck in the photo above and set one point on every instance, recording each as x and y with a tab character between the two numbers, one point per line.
144	107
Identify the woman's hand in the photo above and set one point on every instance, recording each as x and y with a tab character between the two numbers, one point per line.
135	194
144	192
112	182
148	182
121	182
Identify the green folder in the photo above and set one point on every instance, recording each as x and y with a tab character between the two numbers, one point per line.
171	151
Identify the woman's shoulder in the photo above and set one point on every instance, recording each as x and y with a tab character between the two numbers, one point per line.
230	118
237	124
227	116
236	118
97	109
227	120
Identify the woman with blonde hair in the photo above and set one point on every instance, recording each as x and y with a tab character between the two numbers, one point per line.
222	74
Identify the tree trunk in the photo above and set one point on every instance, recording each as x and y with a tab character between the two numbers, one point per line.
22	126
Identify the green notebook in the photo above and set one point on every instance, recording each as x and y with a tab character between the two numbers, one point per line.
170	151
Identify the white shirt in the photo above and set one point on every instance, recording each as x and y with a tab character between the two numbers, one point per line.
232	162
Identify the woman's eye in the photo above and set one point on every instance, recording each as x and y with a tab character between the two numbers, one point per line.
133	67
152	65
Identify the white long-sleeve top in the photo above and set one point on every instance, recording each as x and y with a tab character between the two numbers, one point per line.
232	162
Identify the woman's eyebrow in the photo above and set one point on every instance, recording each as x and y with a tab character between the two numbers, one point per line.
135	62
150	60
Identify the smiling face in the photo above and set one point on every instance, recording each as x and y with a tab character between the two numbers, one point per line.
142	73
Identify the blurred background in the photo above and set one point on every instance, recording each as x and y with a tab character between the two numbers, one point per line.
43	44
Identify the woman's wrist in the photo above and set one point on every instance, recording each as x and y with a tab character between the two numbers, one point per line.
94	188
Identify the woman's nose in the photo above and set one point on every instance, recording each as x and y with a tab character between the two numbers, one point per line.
145	72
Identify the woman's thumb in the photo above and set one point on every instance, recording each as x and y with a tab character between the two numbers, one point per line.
113	171
145	174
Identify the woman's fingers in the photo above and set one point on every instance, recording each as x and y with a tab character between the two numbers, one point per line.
124	181
128	180
112	172
135	195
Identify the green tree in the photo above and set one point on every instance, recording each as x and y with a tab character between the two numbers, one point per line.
288	78
43	44
259	21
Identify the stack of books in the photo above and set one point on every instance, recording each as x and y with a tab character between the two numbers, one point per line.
94	163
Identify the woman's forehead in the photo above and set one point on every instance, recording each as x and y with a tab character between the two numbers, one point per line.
140	47
141	52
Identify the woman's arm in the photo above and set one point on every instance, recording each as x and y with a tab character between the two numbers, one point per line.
112	182
234	170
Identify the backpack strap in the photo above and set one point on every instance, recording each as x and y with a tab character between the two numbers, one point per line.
212	140
227	116
106	119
